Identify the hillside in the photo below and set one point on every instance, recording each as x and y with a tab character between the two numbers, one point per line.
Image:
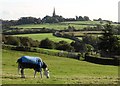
62	71
42	36
60	26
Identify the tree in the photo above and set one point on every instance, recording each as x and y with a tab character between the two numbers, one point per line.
10	40
53	19
92	40
86	18
28	20
90	48
109	43
46	43
63	45
79	46
81	18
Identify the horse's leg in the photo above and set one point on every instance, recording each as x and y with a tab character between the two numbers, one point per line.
22	73
35	73
18	68
41	74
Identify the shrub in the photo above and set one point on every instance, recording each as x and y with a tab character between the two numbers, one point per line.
63	45
11	40
46	43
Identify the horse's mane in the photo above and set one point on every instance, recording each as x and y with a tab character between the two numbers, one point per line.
44	65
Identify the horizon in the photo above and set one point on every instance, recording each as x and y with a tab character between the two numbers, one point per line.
15	9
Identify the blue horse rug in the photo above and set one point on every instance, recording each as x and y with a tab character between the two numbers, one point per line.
31	60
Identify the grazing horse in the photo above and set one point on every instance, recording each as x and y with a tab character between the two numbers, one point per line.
35	63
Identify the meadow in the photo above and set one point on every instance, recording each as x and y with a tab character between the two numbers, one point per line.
60	26
42	36
62	71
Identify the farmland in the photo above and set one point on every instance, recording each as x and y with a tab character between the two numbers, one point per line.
62	71
61	26
43	36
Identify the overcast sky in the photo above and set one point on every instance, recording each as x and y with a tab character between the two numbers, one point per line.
14	9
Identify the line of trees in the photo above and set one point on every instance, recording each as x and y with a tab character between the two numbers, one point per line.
46	19
45	43
28	42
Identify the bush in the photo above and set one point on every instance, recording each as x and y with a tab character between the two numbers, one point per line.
79	46
19	41
100	60
63	45
23	48
46	43
11	40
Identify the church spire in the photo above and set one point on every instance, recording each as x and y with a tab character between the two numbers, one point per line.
54	12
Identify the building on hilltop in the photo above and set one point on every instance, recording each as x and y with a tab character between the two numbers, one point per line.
54	14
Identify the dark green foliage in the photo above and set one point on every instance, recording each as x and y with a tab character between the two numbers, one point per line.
89	47
117	30
109	43
28	20
63	45
104	61
71	28
6	24
46	43
86	18
79	46
92	40
22	48
19	41
53	19
80	18
11	40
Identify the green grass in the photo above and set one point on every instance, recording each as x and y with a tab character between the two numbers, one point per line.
82	22
60	26
50	26
62	71
42	36
63	25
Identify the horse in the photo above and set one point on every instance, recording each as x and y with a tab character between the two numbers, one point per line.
35	63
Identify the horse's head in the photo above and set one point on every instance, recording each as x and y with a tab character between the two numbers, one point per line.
46	72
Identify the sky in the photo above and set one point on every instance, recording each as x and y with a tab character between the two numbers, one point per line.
14	9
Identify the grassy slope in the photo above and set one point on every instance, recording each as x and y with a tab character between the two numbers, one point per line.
61	26
45	35
62	71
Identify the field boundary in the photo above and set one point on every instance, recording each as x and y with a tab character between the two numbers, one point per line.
59	53
105	61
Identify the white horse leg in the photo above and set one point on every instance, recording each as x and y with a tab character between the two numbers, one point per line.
18	68
22	73
35	73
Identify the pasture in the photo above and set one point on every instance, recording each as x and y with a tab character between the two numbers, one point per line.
42	36
83	33
61	26
62	71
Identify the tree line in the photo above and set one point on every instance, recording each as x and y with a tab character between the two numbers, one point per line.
45	43
108	44
46	19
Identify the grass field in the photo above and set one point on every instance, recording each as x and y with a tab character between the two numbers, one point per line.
62	71
61	26
42	36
